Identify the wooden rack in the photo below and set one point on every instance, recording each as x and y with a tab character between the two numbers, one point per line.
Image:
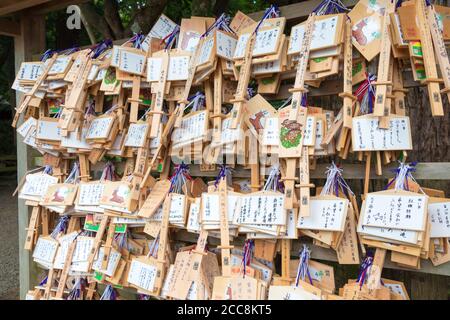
28	32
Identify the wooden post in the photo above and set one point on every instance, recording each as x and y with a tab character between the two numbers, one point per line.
30	41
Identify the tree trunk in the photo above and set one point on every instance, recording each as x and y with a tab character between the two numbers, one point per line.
146	17
112	17
95	20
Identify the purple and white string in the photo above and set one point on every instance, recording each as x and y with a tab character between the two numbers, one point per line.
303	266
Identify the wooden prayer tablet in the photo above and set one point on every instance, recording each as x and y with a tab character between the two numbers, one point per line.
76	141
210	209
100	127
291	293
257	110
443	16
322	275
225	45
89	195
132	61
177	211
60	194
60	66
177	71
128	117
327	34
232	288
309	138
439	217
161	29
395	210
396	287
61	254
190	32
264	207
193	221
113	260
367	136
408	25
142	273
207	51
137	135
290	135
36	185
193	128
398	37
45	251
47	129
29	71
327	213
240	21
155	198
116	195
228	134
268	40
366	30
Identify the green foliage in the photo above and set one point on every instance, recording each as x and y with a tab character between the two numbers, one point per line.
178	9
247	6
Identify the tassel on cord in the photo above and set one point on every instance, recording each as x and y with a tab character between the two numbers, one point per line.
402	175
365	94
100	47
247	254
330	7
48	169
178	179
271	12
109	293
365	268
74	175
273	182
286	103
221	23
225	172
335	181
303	266
171	38
122	240
75	293
43	281
196	101
61	227
108	172
153	248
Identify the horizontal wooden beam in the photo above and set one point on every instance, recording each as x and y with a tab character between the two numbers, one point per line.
424	171
9	7
9	28
318	253
55	6
300	10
